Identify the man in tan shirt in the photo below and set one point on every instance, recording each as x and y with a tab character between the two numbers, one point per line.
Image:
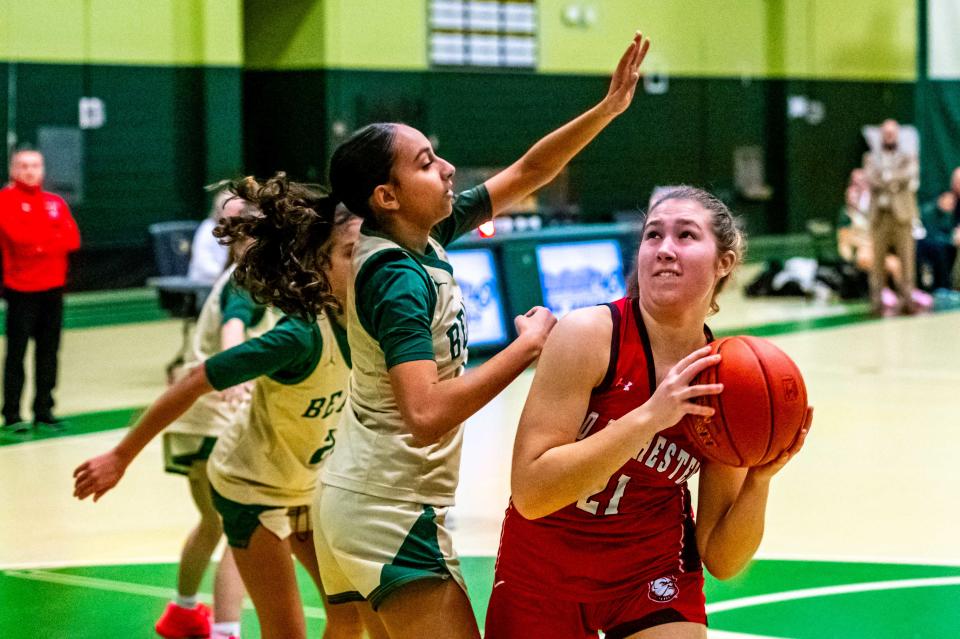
893	176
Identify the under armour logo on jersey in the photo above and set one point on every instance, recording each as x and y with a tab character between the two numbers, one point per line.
624	384
24	207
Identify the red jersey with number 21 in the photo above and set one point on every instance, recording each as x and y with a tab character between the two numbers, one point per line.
636	528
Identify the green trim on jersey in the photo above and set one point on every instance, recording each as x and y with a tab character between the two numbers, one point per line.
471	209
345	597
286	354
419	557
396	297
429	256
395	300
376	454
180	464
236	303
274	457
239	520
340	334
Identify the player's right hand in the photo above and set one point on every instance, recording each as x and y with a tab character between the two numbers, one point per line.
97	475
675	395
535	325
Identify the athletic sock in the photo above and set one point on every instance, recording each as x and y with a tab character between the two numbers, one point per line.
224	629
184	601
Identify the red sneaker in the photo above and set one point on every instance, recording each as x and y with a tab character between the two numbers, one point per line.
184	623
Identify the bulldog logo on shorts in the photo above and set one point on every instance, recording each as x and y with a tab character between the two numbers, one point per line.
663	589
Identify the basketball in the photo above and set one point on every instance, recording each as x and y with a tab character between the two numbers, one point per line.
762	406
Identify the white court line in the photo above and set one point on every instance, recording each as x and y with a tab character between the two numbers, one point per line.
311	612
829	591
721	634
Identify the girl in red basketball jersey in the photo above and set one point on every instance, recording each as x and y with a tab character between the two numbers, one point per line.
600	534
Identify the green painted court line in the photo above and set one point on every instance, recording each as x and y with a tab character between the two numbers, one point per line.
849	600
854	316
763	576
318	613
110	585
106	308
830	591
81	424
773	599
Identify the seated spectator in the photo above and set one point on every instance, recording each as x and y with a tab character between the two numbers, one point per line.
853	227
208	258
937	251
955	189
855	243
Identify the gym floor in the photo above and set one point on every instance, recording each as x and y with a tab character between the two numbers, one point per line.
861	528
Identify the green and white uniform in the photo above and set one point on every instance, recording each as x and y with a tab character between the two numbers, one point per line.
270	463
380	489
191	437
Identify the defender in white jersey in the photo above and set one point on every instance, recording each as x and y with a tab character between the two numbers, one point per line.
228	317
263	470
379	514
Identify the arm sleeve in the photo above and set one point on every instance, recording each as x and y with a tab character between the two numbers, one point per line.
395	304
67	236
236	303
471	208
289	353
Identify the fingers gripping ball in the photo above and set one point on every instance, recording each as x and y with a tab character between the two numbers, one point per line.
761	409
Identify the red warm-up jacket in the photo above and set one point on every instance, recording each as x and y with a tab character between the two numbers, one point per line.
36	234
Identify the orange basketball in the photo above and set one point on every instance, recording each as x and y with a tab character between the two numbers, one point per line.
762	406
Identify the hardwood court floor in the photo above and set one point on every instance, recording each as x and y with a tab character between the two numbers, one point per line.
861	527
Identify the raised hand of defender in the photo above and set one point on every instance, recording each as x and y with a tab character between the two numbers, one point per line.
97	475
624	82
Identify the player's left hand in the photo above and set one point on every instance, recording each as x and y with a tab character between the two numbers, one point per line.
237	395
97	475
623	84
772	468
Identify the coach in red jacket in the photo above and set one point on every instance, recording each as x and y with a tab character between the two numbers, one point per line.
36	234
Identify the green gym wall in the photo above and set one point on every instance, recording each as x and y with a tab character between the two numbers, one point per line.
198	90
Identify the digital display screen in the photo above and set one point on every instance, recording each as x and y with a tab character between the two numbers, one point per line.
578	274
476	273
